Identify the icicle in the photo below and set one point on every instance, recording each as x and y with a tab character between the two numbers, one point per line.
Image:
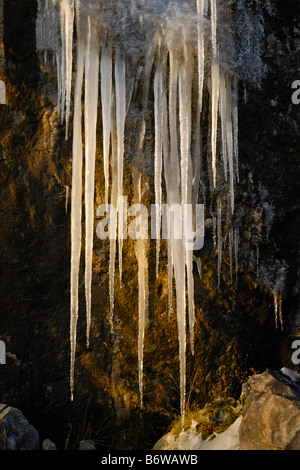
76	207
229	139
120	85
235	127
174	167
166	158
185	78
179	269
158	115
171	161
172	177
219	237
67	22
59	82
106	96
223	115
214	113
213	6
146	87
114	203
278	310
90	117
142	284
185	108
199	266
230	242
236	249
214	221
67	199
200	26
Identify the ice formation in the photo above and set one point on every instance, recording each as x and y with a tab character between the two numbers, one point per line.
188	47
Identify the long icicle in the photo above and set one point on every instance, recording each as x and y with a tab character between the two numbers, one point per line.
229	140
214	113
158	115
200	26
76	204
142	286
114	203
90	118
120	85
106	97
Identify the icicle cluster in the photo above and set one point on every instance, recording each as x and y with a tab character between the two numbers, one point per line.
188	47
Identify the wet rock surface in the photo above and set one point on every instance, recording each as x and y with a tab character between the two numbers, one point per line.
235	327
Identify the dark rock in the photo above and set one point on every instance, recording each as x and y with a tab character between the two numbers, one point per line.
47	444
86	445
15	431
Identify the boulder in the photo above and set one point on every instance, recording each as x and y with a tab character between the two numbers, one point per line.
16	433
48	445
86	445
271	417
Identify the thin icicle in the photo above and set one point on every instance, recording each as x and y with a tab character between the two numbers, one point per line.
171	161
219	238
223	116
67	199
172	178
230	243
166	158
158	118
229	140
213	7
201	58
185	82
114	203
214	113
76	206
90	118
142	286
235	128
59	82
120	85
185	119
106	97
199	266
214	222
174	167
67	23
180	282
278	310
236	251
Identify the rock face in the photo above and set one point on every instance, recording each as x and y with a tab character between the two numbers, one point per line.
235	328
271	418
